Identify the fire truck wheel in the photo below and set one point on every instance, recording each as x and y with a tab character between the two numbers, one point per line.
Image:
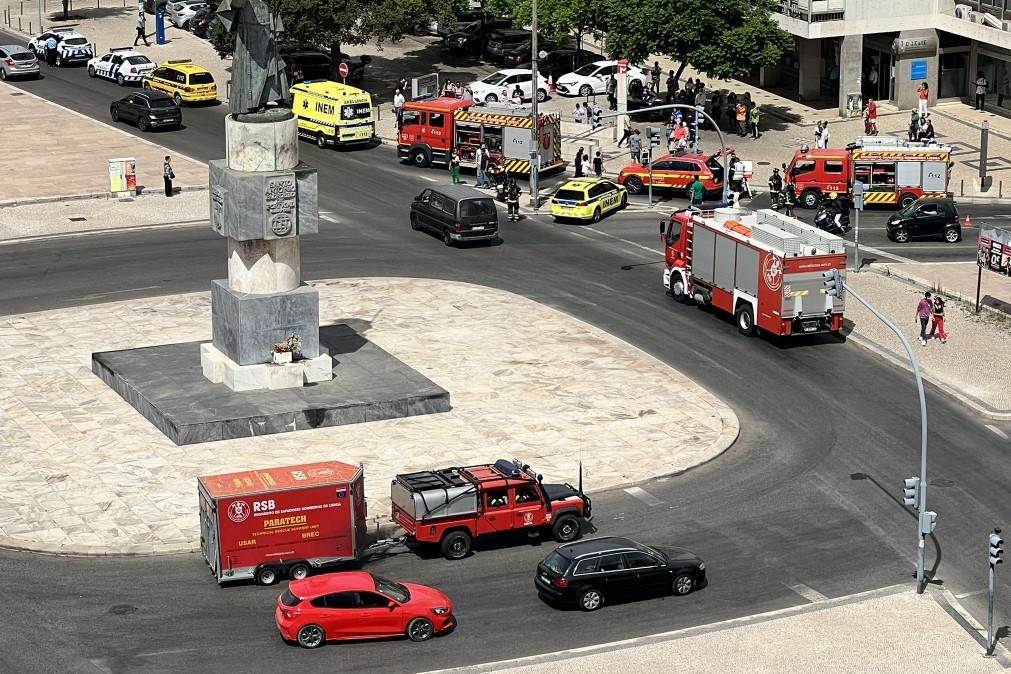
901	235
456	545
633	185
810	198
952	235
566	529
907	200
311	636
591	600
420	158
298	571
596	214
677	289
266	576
585	90
542	95
420	629
745	320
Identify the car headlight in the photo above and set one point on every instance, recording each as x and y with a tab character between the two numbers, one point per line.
442	610
702	566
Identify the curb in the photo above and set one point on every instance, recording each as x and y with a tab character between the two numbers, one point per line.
947	600
941	384
95	195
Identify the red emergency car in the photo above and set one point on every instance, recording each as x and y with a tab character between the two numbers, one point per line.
676	173
358	605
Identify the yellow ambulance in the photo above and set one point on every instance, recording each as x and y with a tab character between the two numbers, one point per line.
331	113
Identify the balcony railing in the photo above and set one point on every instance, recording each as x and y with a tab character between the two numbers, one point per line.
813	11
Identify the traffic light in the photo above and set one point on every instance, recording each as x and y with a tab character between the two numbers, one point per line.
833	283
996	548
928	520
911	491
653	134
595	116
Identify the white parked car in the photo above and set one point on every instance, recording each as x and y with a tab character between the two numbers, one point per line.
180	13
499	86
122	64
592	78
71	46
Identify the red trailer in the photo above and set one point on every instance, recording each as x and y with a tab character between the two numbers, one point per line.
762	267
265	524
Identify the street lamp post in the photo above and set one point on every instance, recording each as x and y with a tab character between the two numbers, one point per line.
535	131
922	491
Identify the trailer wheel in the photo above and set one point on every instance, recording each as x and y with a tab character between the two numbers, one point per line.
907	200
266	575
298	571
456	545
566	529
746	320
809	198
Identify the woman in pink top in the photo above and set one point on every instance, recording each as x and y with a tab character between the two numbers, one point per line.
924	94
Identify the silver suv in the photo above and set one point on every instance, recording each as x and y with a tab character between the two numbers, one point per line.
16	61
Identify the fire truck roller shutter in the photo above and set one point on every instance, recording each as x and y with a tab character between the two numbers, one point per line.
908	173
703	253
747	270
935	176
726	263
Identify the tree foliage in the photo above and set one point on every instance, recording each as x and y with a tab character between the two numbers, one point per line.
721	38
556	19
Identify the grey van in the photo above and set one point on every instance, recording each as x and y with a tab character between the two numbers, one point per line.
457	213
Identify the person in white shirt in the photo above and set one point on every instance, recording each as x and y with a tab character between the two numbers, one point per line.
398	107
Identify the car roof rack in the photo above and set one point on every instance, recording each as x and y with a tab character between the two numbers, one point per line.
121	49
63	29
180	61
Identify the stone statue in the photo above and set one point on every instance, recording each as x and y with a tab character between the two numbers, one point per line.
257	71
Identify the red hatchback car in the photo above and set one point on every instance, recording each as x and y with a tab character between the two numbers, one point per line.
358	605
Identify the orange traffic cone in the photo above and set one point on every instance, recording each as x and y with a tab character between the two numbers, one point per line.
968	221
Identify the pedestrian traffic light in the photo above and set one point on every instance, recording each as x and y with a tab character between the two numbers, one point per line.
595	116
653	134
833	283
996	548
911	491
928	520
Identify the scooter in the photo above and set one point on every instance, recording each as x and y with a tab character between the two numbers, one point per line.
826	220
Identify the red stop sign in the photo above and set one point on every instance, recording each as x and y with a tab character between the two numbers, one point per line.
342	69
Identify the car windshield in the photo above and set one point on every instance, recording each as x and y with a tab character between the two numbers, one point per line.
75	40
158	103
569	194
288	599
494	78
588	69
556	563
138	60
201	78
392	590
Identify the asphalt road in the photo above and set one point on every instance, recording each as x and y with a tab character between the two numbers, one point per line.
804	501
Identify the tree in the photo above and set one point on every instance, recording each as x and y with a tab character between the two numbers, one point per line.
720	38
556	19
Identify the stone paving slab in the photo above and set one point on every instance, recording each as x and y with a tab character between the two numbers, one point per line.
84	473
891	630
36	130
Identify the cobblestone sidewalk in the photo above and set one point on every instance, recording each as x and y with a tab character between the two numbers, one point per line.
84	473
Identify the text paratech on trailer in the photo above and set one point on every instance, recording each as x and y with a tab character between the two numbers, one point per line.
265	524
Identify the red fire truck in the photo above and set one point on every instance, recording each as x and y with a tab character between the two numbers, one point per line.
263	524
432	128
762	267
893	171
452	506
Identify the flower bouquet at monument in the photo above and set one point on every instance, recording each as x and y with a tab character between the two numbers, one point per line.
283	350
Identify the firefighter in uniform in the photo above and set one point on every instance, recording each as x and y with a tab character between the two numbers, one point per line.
513	200
776	188
789	199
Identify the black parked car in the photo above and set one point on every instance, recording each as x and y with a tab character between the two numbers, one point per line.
505	41
926	217
200	22
471	39
316	63
559	62
148	110
588	573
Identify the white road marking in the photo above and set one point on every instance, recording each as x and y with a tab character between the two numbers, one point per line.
329	218
808	593
580	235
653	252
106	230
969	594
428	178
998	432
892	256
644	496
95	296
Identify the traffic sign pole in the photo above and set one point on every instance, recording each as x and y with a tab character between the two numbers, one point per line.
858	205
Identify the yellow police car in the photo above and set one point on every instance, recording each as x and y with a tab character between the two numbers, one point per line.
183	80
588	199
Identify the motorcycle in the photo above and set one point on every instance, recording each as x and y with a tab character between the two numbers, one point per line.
826	219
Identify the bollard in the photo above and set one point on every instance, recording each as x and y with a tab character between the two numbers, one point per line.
1000	189
19	25
961	189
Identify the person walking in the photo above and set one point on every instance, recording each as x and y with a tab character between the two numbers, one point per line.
627	133
168	174
598	165
731	110
454	166
577	164
141	30
937	322
981	86
824	136
672	87
741	117
611	89
586	165
789	199
513	200
482	166
872	117
577	116
756	116
775	188
923	95
51	51
655	73
398	107
698	192
914	124
924	310
635	147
